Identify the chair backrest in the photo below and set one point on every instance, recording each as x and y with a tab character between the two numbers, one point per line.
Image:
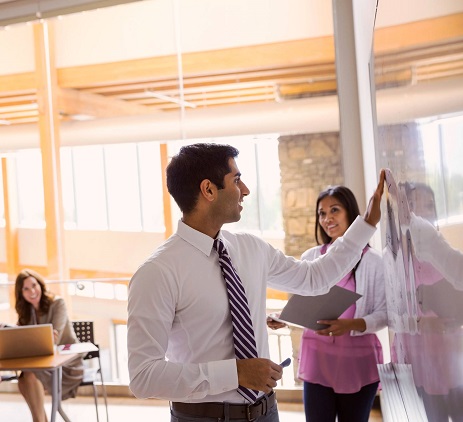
84	332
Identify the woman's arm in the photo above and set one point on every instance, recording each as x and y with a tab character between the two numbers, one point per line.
59	317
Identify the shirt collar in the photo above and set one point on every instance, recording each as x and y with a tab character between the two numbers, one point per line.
200	241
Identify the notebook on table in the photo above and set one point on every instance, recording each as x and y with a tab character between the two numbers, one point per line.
26	341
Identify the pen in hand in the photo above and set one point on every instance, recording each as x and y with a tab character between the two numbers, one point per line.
285	363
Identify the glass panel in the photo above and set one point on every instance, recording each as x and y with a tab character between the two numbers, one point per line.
120	334
67	183
4	299
247	164
2	204
149	159
120	291
30	188
423	260
90	190
122	187
269	187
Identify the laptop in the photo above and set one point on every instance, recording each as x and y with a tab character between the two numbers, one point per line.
26	341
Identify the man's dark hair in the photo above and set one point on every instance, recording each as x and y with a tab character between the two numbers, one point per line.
347	200
191	166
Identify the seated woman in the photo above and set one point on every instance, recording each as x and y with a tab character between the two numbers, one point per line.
36	305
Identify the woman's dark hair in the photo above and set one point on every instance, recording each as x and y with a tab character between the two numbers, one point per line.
347	200
191	166
23	307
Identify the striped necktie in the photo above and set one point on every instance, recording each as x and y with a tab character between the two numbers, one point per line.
243	333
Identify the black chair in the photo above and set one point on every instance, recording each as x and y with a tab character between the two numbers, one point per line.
84	332
9	377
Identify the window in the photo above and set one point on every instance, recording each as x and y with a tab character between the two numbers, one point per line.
152	205
119	187
89	185
113	187
443	146
30	187
67	182
4	296
259	164
2	203
122	185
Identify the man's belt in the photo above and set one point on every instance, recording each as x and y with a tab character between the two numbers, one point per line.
217	410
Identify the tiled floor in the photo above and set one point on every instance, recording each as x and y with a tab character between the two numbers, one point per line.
14	409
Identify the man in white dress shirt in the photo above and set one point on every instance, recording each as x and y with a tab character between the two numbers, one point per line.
180	339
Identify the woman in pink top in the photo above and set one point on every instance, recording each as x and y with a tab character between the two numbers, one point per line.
338	363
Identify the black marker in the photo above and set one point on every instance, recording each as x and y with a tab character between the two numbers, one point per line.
285	363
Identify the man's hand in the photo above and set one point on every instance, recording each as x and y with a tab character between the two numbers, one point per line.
258	374
373	212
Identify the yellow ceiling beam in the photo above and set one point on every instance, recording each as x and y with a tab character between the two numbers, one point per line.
18	83
72	102
425	32
284	54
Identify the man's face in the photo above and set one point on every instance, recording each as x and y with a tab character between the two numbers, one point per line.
228	205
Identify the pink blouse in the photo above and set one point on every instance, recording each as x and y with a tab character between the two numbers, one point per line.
345	363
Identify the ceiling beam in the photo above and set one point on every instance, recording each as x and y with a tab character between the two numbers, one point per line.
72	102
18	83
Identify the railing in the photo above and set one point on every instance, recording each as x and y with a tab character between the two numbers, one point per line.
104	301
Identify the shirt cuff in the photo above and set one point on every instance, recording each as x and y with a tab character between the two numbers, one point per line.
359	232
223	376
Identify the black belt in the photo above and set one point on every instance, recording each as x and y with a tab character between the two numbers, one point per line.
248	412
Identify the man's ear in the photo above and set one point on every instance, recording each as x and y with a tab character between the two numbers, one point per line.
208	189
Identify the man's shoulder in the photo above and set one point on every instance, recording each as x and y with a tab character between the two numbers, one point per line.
242	238
165	252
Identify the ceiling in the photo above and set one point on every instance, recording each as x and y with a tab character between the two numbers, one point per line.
15	11
407	54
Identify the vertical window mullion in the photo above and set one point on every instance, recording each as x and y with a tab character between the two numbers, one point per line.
74	187
105	177
140	195
260	214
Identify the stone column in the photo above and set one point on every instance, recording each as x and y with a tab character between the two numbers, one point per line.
308	164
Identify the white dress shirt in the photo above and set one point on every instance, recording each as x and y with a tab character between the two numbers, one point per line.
180	340
432	247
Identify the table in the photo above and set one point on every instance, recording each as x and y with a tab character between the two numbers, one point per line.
52	363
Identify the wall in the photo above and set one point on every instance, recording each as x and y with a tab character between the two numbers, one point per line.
308	164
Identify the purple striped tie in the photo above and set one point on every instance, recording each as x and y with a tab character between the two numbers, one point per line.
243	333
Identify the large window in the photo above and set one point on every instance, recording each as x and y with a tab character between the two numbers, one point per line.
443	148
119	187
110	187
89	188
2	203
258	163
30	188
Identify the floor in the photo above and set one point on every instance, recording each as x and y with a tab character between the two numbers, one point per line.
13	409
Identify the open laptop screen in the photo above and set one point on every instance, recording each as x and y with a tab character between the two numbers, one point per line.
26	341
